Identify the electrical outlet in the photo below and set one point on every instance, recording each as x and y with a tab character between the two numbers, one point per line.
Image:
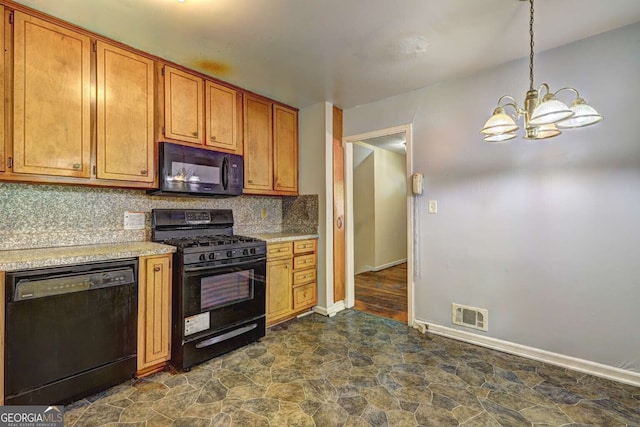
263	213
134	220
433	207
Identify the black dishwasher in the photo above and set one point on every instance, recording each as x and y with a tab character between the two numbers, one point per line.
70	331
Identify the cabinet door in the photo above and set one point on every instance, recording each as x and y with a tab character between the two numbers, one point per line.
279	290
52	105
258	149
305	296
285	149
183	106
154	311
222	118
124	115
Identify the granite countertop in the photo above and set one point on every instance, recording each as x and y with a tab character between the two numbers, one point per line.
23	259
283	237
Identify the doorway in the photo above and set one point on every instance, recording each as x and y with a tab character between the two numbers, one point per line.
379	206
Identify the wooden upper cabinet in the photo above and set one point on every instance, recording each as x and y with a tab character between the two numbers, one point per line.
183	106
125	113
258	147
270	147
222	118
285	149
52	99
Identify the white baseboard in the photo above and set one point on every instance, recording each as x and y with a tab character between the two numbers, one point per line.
330	311
580	365
388	265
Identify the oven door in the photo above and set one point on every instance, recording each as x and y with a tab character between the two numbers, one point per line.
215	298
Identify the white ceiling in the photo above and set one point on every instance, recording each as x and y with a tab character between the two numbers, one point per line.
395	142
347	52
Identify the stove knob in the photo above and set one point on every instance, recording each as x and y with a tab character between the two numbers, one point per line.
203	257
253	251
245	252
229	254
212	255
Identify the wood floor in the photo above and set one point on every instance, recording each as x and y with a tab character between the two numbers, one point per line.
383	292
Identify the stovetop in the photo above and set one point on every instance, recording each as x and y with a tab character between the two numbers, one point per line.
204	235
218	249
205	242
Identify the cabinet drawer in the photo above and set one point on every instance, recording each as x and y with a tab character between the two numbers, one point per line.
304	261
279	250
304	276
305	296
304	246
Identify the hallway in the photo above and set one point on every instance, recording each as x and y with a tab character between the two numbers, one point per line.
383	292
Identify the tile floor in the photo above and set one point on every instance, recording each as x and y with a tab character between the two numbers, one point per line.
358	369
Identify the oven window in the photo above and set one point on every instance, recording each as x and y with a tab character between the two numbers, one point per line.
224	289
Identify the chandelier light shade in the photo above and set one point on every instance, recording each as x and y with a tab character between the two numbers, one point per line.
549	111
583	115
544	116
499	123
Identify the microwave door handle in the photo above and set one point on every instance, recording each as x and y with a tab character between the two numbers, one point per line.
225	173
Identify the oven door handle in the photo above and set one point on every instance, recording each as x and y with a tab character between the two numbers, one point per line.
226	336
210	267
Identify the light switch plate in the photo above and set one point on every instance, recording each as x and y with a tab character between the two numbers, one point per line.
433	207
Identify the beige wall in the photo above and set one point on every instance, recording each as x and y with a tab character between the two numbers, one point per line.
380	208
363	209
391	208
312	180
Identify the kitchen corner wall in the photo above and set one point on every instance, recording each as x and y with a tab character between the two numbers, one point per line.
34	216
545	234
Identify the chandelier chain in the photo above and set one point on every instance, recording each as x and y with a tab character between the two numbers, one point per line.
531	46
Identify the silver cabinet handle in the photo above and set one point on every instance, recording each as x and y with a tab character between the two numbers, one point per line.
76	165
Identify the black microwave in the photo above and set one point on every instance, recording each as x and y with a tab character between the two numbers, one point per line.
193	171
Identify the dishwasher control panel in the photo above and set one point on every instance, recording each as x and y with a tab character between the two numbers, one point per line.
40	286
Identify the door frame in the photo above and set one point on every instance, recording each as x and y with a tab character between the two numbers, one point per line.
349	236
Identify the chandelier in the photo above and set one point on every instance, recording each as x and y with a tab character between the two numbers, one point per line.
544	116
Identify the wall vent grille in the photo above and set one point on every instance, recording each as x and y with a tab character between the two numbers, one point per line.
471	317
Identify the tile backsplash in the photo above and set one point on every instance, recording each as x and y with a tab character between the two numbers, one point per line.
34	216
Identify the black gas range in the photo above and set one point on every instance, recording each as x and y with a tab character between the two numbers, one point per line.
218	283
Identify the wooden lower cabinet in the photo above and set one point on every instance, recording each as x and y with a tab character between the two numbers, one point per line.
154	313
279	282
305	279
291	279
